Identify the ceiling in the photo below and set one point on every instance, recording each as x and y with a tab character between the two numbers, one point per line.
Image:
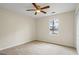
54	7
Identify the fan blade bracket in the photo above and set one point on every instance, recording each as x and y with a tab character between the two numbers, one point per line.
43	12
35	13
45	7
35	5
30	10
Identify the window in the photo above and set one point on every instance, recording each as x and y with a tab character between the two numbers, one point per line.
54	26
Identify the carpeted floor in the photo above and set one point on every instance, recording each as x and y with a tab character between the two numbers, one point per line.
39	48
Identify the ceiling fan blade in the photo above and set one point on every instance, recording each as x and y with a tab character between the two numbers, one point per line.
43	12
45	7
35	13
30	10
35	5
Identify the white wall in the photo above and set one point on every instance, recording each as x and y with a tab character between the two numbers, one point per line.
77	28
15	29
66	29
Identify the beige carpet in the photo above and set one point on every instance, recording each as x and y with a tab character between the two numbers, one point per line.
39	48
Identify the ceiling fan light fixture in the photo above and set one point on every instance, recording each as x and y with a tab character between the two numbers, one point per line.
37	10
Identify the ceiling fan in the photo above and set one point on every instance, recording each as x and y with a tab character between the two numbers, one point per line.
38	8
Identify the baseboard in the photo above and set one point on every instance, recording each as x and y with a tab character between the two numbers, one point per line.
34	40
15	45
56	44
